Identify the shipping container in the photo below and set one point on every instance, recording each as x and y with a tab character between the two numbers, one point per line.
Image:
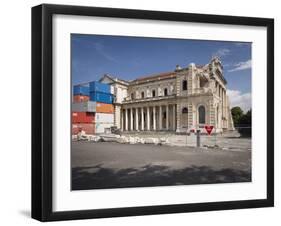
89	128
89	106
83	117
101	97
104	108
102	127
104	118
81	90
80	98
99	87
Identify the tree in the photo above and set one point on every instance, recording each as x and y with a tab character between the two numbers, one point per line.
243	122
246	119
237	114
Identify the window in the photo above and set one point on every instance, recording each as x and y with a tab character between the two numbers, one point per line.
153	93
202	82
202	115
142	94
165	92
184	111
184	85
132	96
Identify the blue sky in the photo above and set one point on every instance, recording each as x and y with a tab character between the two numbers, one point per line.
131	57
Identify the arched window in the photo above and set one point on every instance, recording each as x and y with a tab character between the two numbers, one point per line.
202	115
184	85
184	111
153	93
142	94
165	92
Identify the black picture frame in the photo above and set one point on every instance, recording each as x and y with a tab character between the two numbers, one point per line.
42	111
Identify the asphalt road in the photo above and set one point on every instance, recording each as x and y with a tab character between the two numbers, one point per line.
114	165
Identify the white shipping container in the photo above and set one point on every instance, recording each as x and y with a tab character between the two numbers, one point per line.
101	127
104	118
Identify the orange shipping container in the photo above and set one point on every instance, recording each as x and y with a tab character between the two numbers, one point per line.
104	108
89	128
80	98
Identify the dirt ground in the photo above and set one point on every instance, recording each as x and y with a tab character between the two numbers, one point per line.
113	165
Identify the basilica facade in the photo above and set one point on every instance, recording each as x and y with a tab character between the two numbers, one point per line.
182	100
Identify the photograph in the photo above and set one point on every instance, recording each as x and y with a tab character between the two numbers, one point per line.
148	111
139	112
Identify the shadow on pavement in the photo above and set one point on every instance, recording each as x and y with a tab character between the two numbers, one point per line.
97	177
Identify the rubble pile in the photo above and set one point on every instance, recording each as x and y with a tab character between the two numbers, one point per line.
207	142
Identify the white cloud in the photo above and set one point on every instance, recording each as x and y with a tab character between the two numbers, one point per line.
243	100
222	52
242	66
99	47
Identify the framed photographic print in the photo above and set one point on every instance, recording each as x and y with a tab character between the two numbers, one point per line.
145	112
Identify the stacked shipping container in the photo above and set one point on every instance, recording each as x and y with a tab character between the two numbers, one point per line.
81	93
103	121
83	117
101	94
89	128
83	110
80	98
89	106
104	108
92	108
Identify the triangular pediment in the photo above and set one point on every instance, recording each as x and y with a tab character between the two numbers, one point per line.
106	79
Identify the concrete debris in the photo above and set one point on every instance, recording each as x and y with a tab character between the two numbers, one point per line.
95	138
207	142
110	137
132	140
142	141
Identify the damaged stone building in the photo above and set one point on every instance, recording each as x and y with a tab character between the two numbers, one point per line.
182	100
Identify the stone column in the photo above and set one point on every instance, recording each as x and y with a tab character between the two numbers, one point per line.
178	113
148	119
131	120
167	117
174	117
126	119
154	118
160	117
122	120
226	110
222	107
137	119
225	107
142	119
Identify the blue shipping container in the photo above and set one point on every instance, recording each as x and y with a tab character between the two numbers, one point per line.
99	87
81	90
101	97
